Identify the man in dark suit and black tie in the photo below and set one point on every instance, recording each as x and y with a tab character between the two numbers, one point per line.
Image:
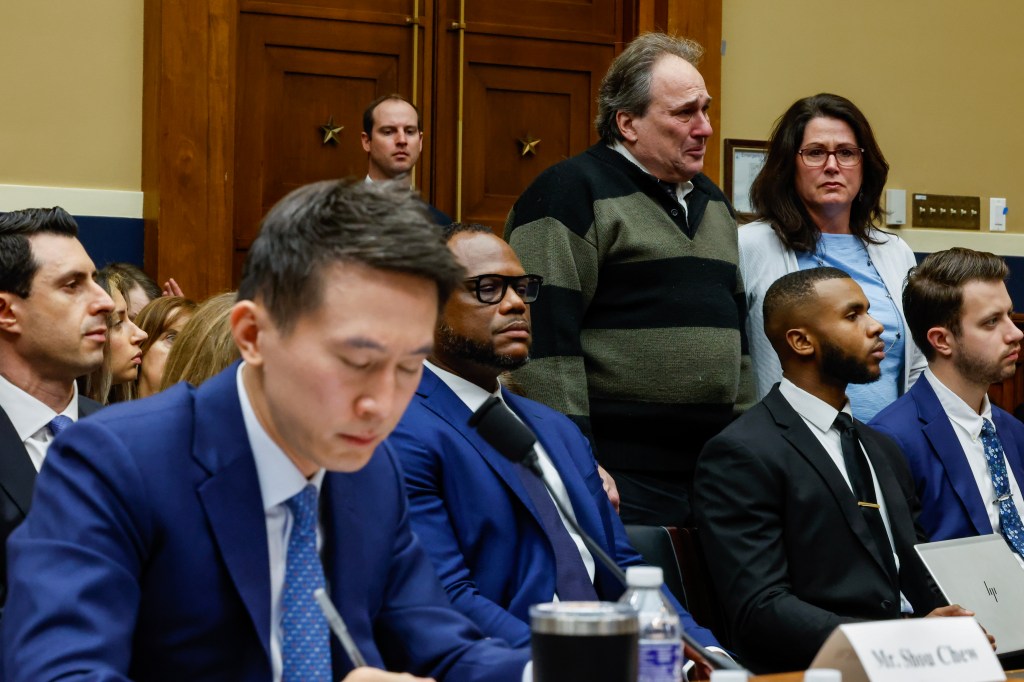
807	516
53	328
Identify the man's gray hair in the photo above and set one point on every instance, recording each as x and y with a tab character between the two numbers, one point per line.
627	85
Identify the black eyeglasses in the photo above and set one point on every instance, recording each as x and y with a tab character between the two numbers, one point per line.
491	289
816	157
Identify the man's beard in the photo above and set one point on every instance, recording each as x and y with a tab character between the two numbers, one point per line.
978	369
456	345
837	365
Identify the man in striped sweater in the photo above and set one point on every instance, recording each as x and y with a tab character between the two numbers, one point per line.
639	334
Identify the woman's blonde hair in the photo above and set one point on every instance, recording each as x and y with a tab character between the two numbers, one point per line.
205	346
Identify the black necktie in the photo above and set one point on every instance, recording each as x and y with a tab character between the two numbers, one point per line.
572	583
864	490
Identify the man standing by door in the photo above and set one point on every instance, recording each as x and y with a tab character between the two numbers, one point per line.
639	333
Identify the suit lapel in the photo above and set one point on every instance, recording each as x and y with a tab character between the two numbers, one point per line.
895	503
810	448
443	402
17	475
943	439
583	508
231	495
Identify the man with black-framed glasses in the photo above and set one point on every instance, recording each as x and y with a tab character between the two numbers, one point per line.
499	544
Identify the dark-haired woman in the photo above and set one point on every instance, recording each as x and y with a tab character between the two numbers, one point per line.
817	200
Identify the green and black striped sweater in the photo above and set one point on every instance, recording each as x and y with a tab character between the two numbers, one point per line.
638	331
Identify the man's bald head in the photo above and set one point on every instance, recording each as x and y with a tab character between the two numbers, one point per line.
789	302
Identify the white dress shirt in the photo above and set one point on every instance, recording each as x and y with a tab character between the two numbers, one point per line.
967	426
473	397
31	417
819	417
682	188
279	480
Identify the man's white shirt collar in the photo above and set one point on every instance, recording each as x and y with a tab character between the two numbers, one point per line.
468	392
682	188
956	409
27	413
812	408
279	478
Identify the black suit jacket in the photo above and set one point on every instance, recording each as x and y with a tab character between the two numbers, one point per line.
790	553
17	481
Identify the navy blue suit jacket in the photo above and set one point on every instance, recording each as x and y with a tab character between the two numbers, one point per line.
951	505
477	521
145	558
17	480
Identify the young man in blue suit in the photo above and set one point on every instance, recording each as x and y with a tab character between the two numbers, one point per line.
498	543
966	455
181	537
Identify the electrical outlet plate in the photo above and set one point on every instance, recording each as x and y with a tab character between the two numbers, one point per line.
943	210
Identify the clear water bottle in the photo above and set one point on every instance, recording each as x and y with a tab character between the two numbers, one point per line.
661	650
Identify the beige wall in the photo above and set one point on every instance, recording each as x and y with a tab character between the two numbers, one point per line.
71	93
939	80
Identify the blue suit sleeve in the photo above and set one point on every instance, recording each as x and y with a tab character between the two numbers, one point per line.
74	564
419	631
431	522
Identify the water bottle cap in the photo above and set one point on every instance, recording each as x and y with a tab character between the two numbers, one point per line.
644	576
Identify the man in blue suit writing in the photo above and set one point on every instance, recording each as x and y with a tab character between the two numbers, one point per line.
182	537
966	455
496	538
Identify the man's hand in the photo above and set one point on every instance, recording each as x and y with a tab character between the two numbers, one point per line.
374	675
171	288
956	610
609	487
701	669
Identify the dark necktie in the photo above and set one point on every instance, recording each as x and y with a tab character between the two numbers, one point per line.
59	423
859	471
305	640
1009	518
571	580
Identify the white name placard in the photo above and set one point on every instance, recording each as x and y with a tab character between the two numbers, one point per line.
916	649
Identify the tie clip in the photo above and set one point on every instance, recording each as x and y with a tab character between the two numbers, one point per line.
1004	498
870	505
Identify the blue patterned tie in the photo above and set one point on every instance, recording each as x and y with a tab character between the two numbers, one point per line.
59	423
305	639
1009	518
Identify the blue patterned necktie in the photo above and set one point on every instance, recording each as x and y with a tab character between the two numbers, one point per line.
305	638
59	423
1009	518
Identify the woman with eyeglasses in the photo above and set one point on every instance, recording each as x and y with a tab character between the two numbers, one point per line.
817	204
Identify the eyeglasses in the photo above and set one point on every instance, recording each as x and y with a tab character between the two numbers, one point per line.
491	289
816	157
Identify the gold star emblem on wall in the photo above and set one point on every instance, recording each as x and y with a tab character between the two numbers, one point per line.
528	145
331	131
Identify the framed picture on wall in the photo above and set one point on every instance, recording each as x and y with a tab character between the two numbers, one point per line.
743	161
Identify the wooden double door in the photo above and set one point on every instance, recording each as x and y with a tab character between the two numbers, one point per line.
237	94
524	70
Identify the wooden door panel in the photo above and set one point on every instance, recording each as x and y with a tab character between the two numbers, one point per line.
587	20
508	103
386	11
514	88
294	74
